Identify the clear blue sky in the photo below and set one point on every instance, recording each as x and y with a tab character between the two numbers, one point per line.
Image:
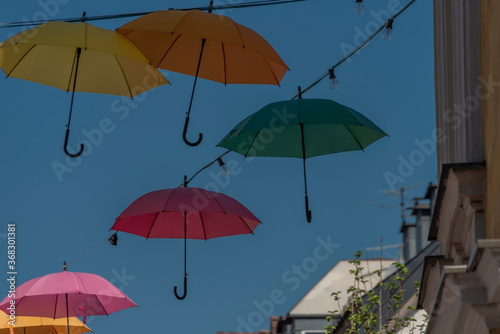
390	82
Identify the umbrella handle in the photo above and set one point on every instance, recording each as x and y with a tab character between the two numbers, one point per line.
200	135
71	155
308	212
185	290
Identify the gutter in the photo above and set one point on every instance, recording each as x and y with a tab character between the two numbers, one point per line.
447	270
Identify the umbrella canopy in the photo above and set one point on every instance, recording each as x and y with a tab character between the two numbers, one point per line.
302	128
39	325
160	214
79	57
67	294
232	53
189	213
205	45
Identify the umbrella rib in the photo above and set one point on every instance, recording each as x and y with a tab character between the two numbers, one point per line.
353	116
166	201
154	221
85	35
168	50
75	276
217	202
124	76
361	147
244	222
239	32
224	61
97	297
270	69
55	306
71	72
20	60
19	302
179	22
203	225
249	147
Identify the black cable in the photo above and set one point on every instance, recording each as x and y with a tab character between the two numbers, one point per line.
204	167
356	49
120	16
248	4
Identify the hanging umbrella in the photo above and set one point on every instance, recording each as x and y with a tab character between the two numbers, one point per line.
40	325
302	128
189	213
67	294
79	57
205	45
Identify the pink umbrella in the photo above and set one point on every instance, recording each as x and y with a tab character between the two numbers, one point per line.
67	294
192	213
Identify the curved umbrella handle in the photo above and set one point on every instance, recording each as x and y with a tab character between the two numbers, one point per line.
200	135
185	290
71	155
308	212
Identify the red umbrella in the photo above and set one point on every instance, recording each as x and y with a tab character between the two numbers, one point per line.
67	294
189	213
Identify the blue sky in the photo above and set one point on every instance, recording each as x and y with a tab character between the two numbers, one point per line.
60	218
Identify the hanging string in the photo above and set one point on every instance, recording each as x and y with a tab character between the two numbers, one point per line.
353	51
204	167
349	55
87	252
187	181
120	16
249	4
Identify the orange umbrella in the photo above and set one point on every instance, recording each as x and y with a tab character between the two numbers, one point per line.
205	45
40	325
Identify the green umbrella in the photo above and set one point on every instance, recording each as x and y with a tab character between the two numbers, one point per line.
302	128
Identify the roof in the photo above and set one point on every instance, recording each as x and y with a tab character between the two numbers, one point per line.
318	301
420	206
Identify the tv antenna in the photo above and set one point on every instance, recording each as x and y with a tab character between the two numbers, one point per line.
401	193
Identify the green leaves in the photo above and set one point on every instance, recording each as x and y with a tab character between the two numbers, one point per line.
363	310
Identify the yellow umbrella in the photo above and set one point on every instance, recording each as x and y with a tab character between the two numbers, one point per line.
205	45
79	57
38	325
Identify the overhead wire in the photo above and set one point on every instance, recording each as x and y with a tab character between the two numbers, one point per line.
204	167
87	252
353	51
346	57
127	15
312	85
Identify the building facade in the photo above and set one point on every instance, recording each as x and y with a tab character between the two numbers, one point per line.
461	289
308	316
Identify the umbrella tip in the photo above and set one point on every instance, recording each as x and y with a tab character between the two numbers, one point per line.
65	266
185	181
300	92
